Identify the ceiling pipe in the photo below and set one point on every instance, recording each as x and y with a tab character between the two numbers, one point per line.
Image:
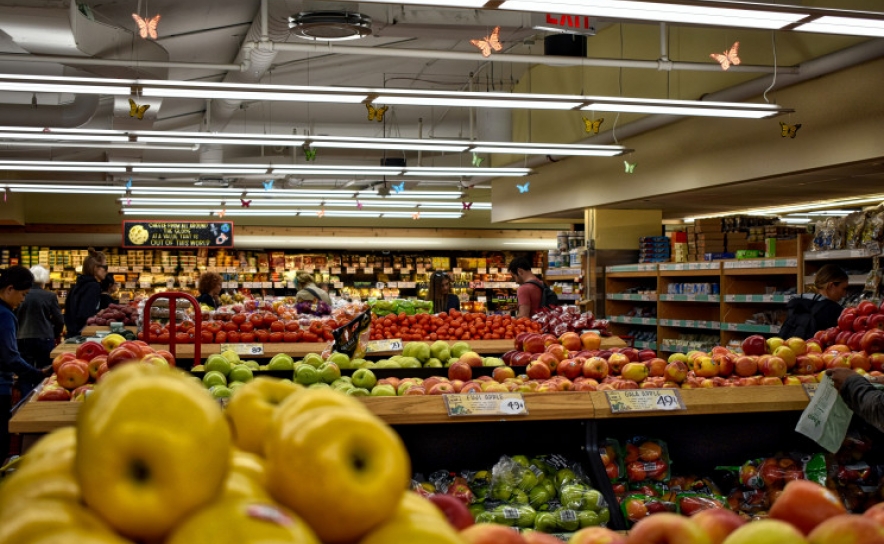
660	65
85	61
72	115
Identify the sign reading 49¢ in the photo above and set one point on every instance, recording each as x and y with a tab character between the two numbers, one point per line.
644	400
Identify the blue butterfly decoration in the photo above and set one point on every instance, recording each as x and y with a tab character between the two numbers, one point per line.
129	184
268	184
399	188
524	188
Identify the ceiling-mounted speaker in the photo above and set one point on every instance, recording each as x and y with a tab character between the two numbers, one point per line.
330	26
564	45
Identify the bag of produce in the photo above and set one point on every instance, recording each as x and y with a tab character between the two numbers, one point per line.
646	459
612	458
636	507
689	503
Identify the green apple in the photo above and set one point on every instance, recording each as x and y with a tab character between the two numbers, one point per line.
281	362
340	359
383	390
354	363
306	375
432	362
408	349
365	364
343	387
213	378
538	496
458	349
409	362
231	356
313	359
319	385
387	363
218	363
233	386
546	522
421	351
440	350
198	368
220	391
329	372
492	361
251	364
521	460
241	373
364	378
358	392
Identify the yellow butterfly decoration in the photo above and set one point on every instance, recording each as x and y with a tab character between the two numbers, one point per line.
376	114
489	43
789	130
629	167
593	125
137	111
147	27
729	57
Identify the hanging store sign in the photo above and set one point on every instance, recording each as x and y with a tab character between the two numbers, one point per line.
177	234
566	24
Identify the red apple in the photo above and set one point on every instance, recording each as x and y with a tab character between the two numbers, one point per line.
595	368
872	341
537	370
773	367
122	354
570	368
94	365
54	392
718	523
676	371
459	370
550	360
521	358
754	345
490	533
591	341
61	358
847	529
471	358
454	509
616	362
89	350
558	351
548	340
866	307
596	535
443	388
533	343
571	341
72	374
508	356
805	505
501	373
666	528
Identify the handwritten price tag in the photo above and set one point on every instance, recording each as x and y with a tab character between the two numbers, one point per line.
644	400
485	404
391	344
244	349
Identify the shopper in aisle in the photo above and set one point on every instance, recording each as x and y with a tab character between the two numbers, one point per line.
309	291
819	310
15	282
440	293
84	299
530	291
209	286
860	395
39	325
109	287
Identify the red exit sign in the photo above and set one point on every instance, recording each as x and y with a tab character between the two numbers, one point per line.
570	24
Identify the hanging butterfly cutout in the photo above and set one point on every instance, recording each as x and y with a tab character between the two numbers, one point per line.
129	184
358	205
416	215
467	205
789	130
524	188
245	203
629	167
147	27
309	153
593	125
268	184
728	58
320	213
128	202
399	188
376	114
489	43
137	111
222	213
477	160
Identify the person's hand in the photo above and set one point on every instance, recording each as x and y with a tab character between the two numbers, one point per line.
47	371
839	376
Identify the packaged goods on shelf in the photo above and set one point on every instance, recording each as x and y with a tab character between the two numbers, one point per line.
654	249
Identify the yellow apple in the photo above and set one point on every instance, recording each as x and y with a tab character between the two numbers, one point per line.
44	479
112	341
238	520
239	485
312	399
29	521
152	447
343	470
63	439
249	465
249	411
415	520
766	531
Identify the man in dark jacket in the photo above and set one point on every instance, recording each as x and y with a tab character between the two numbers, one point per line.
15	282
39	324
860	395
85	297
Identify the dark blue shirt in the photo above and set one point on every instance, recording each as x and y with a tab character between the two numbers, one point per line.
11	361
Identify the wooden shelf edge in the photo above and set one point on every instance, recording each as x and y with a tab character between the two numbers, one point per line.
721	400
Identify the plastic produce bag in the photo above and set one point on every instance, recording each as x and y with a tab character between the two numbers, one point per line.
826	418
646	459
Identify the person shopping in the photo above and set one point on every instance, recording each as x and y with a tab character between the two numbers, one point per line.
209	286
309	291
817	311
85	297
39	324
440	293
860	395
15	282
530	292
109	287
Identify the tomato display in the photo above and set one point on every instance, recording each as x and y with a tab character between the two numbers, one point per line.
453	325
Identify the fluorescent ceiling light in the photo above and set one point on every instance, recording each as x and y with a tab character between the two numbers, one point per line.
808	206
660	12
355	95
472	4
254	202
844	25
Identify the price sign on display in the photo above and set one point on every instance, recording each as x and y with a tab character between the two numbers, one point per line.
644	400
390	344
486	404
244	349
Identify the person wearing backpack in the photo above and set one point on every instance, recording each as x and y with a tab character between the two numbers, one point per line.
532	291
812	312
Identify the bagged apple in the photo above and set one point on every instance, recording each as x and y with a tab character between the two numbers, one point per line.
689	503
636	507
646	459
612	458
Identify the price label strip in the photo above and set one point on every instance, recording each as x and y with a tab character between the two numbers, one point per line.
244	349
644	400
391	344
486	404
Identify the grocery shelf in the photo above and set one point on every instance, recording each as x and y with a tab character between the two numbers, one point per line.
631	296
774	299
761	263
678	348
690	298
837	254
643	344
760	271
745	327
564	272
690	323
633	320
641	267
714	266
854	280
719	400
569	296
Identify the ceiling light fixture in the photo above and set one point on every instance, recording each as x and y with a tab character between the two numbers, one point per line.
358	95
808	206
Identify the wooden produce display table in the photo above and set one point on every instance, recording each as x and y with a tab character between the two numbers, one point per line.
92	330
300	349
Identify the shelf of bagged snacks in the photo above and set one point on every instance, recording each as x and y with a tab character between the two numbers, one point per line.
42	417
